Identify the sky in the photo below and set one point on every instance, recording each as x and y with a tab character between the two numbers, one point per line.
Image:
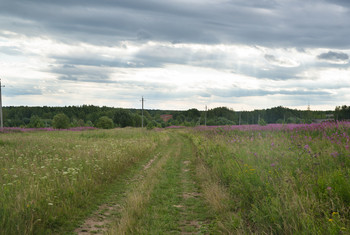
177	54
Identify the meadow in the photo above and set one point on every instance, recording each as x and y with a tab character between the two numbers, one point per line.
280	179
49	179
274	179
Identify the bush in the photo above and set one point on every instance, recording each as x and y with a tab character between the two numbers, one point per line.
105	123
150	126
36	122
61	121
123	118
89	123
262	122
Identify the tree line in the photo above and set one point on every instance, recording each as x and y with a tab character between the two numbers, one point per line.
109	117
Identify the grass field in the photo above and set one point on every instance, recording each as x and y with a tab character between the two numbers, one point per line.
214	180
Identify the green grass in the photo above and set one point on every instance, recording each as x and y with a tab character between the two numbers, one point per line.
200	182
50	180
175	203
157	204
279	182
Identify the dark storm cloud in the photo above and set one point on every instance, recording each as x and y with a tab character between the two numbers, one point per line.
334	56
269	23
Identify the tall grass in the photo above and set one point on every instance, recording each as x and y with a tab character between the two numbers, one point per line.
285	181
49	180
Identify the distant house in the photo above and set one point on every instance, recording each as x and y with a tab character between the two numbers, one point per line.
166	117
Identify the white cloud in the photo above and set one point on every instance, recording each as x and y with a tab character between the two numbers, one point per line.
241	54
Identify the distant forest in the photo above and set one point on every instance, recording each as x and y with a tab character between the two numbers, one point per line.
108	117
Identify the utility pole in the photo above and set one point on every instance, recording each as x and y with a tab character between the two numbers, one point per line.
142	100
2	121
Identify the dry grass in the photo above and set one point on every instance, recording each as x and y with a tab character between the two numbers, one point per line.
218	199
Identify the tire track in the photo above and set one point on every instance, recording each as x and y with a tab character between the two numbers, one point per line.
101	219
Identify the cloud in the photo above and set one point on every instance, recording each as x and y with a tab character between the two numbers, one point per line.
268	23
10	50
176	50
282	61
334	57
82	73
239	92
11	91
270	73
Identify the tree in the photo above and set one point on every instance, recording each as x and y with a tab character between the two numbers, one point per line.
89	123
262	122
192	114
80	122
105	123
221	112
343	112
123	118
60	121
36	122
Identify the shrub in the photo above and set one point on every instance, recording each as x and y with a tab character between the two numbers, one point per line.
36	122
89	123
262	122
105	123
61	121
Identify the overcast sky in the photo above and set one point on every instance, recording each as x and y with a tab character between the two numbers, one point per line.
178	54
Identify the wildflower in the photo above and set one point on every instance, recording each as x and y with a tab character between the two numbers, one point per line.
330	220
329	188
50	204
335	213
335	154
306	146
273	164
